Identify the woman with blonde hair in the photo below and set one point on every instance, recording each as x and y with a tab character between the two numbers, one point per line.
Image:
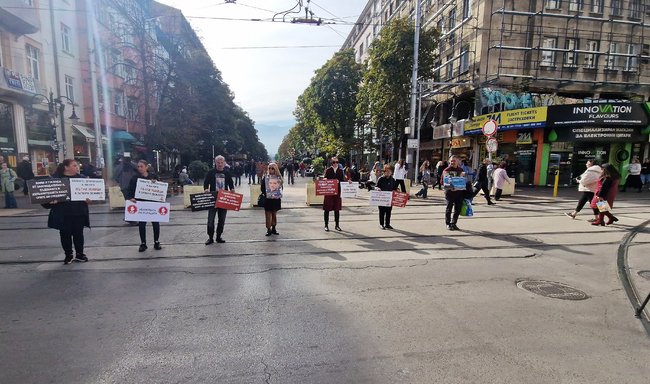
271	186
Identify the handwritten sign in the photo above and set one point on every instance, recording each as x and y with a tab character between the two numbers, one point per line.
202	201
46	190
327	187
229	200
349	190
151	190
381	198
82	189
400	199
147	211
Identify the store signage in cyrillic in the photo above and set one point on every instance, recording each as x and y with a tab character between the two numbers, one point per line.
617	134
525	137
529	118
597	115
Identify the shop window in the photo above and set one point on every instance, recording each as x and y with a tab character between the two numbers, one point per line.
6	124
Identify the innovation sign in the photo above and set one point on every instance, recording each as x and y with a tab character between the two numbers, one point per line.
597	115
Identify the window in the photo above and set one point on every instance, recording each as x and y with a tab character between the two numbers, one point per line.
570	56
360	50
450	67
553	4
32	54
452	42
69	87
617	7
467	9
548	52
575	5
441	26
452	19
118	103
611	62
591	58
66	46
132	108
129	71
632	62
29	3
464	60
635	9
597	6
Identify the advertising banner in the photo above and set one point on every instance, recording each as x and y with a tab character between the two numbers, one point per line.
400	199
92	189
327	187
349	190
229	200
597	115
43	191
151	190
529	118
203	201
146	211
603	134
381	198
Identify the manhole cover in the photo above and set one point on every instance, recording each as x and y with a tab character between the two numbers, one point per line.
552	289
645	274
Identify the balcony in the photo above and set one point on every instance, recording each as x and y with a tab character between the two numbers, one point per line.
19	18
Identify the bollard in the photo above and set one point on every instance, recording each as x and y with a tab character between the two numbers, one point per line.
557	181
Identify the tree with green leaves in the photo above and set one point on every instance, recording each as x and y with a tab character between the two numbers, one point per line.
386	88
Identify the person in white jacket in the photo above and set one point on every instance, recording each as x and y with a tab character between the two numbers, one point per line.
400	174
634	176
500	179
587	184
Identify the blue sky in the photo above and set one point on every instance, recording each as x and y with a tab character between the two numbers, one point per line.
261	61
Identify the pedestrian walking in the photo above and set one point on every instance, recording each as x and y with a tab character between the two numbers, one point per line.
218	178
123	173
271	187
453	196
69	217
333	202
587	184
25	171
482	182
634	176
237	170
252	171
440	168
500	179
7	185
144	172
400	174
290	172
645	172
426	179
606	191
386	182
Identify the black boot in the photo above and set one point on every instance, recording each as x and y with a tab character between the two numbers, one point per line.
273	231
268	232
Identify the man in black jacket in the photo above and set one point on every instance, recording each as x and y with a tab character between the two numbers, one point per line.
217	178
25	172
482	182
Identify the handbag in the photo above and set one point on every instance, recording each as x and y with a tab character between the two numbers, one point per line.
466	208
261	200
603	206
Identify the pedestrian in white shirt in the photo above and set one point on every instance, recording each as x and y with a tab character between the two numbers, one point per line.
400	174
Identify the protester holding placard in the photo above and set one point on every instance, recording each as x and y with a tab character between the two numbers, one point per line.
453	194
386	183
69	217
271	186
333	202
143	173
217	178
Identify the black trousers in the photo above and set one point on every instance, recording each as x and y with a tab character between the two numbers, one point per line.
584	199
384	215
326	217
237	180
73	233
221	221
401	184
290	177
455	201
142	227
497	195
486	192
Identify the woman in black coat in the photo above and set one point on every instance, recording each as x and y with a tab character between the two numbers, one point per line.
69	217
271	186
386	183
143	173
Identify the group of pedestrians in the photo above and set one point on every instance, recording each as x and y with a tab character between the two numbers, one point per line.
598	184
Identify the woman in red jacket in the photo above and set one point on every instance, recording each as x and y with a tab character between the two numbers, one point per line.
606	191
333	203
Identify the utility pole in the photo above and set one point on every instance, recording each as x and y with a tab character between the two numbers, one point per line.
92	46
414	89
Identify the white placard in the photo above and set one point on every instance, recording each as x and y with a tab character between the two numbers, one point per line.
82	189
381	198
349	190
151	190
147	211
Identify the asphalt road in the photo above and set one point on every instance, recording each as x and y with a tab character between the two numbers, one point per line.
418	304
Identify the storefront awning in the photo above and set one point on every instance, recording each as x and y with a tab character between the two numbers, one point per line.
123	136
88	133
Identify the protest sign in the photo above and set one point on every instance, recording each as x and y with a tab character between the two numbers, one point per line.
146	211
202	201
43	191
91	189
229	200
456	182
327	187
349	190
151	190
381	198
273	187
400	199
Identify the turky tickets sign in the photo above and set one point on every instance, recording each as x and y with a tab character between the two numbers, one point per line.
146	211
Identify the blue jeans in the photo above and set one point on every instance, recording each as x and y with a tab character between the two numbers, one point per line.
645	179
10	200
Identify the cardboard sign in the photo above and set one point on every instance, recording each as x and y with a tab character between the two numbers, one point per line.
381	198
400	199
202	201
229	200
457	182
349	190
327	187
147	211
82	189
151	190
43	191
273	187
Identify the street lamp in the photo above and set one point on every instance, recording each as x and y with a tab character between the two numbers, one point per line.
56	107
453	119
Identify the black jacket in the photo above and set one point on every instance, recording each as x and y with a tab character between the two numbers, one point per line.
130	193
59	211
387	183
211	180
482	175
